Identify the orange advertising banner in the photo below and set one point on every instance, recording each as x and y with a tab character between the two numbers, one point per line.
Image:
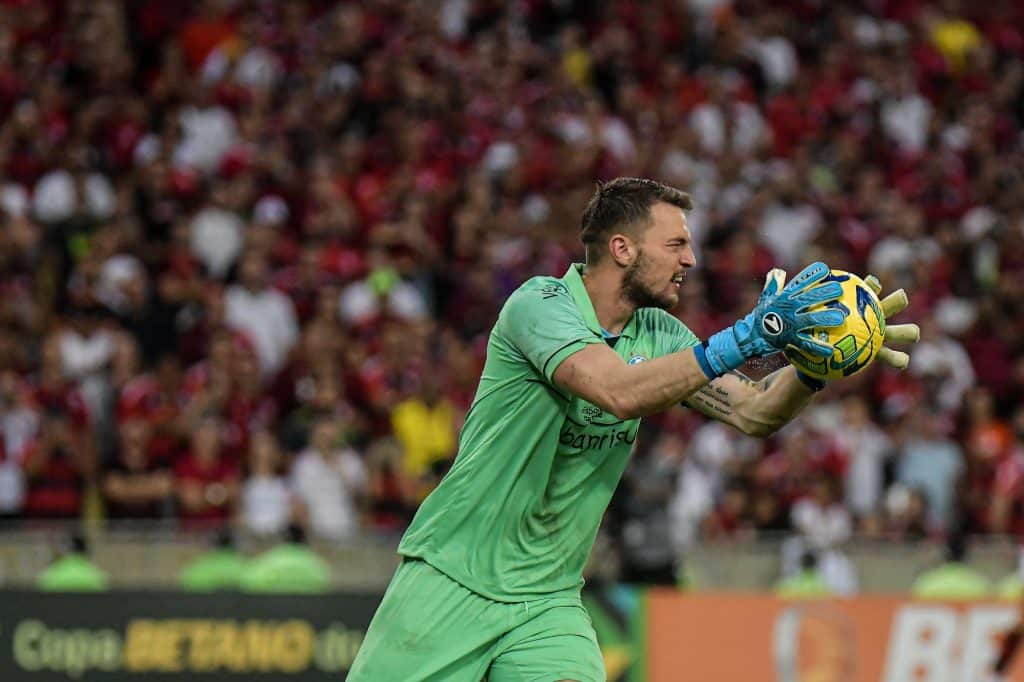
758	638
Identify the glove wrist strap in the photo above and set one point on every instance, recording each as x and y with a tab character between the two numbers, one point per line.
722	353
701	353
810	382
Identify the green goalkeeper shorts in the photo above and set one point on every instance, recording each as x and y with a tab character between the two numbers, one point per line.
430	627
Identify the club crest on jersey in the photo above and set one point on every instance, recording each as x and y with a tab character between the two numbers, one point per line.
772	324
637	359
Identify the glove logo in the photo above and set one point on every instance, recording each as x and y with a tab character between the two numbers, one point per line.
772	324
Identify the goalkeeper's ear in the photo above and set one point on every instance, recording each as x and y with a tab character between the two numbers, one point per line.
908	332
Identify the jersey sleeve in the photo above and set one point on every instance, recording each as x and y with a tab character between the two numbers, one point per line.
544	324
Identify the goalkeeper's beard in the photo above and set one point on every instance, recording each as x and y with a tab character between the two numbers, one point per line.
639	294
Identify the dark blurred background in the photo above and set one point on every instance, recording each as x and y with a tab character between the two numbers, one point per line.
251	251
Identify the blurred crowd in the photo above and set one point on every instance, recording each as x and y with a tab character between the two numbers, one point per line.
251	250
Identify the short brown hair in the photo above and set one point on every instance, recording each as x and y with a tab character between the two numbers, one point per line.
624	204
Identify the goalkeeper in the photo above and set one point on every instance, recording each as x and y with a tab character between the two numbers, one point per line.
489	584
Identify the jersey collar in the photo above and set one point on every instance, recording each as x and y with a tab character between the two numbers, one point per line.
574	281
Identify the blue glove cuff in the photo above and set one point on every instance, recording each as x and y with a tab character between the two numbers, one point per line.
723	352
810	382
701	353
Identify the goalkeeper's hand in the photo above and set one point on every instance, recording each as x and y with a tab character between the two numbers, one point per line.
908	332
779	320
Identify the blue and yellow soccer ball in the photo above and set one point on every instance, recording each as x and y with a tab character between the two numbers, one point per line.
856	342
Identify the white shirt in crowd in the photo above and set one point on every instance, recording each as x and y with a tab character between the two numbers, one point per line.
216	237
86	359
777	58
359	302
257	67
266	504
117	271
712	450
822	527
611	132
56	198
945	357
17	427
82	356
740	129
894	253
207	133
691	502
268	318
326	485
715	448
868	448
786	230
906	119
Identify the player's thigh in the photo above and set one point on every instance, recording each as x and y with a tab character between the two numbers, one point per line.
429	627
557	644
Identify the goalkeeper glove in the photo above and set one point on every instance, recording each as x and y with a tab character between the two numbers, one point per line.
909	332
779	320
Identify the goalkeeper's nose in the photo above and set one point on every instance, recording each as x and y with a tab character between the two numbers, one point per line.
687	258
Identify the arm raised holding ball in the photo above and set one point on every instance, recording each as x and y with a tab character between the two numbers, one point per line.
759	408
704	376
